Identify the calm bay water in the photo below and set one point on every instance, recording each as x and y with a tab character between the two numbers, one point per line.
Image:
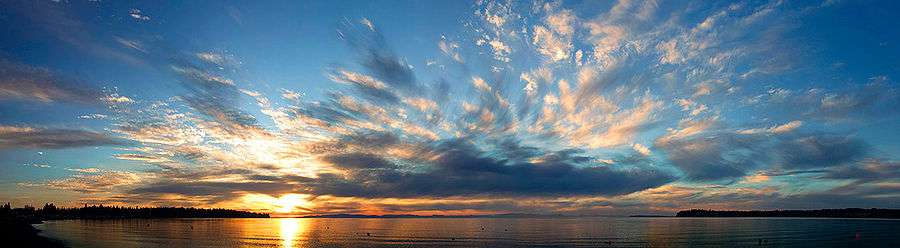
477	232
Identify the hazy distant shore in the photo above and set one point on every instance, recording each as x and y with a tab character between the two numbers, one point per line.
819	213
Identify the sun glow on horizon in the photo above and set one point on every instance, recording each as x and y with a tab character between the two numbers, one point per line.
288	203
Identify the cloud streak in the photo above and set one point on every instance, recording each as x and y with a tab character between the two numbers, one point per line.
26	83
23	137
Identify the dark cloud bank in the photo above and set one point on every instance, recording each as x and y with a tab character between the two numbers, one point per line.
459	168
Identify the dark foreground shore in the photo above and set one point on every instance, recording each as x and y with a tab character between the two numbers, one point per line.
18	232
16	223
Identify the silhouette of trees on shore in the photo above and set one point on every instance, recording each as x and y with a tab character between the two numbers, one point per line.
52	212
823	213
15	223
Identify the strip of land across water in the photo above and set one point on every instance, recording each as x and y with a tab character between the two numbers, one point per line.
820	213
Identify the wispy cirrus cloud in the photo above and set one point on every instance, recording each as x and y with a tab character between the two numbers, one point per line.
95	181
24	137
32	84
55	19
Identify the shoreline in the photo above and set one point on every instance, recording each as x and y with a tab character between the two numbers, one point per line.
845	213
22	233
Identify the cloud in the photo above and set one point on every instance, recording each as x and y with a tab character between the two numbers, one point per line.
626	125
137	15
868	170
555	40
26	83
670	55
19	137
219	59
358	161
215	96
39	165
458	168
866	183
715	156
498	30
92	116
824	150
873	99
61	23
95	181
450	49
133	44
116	99
719	154
868	197
480	84
787	127
643	150
378	58
371	88
686	128
212	192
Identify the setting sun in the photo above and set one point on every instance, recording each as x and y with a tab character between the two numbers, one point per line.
288	203
285	204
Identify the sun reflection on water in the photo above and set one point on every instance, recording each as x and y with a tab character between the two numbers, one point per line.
290	230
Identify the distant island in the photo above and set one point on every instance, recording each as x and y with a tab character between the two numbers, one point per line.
15	223
820	213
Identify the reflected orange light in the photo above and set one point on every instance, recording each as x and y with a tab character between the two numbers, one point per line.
290	229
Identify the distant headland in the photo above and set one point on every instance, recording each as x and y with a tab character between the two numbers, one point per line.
820	213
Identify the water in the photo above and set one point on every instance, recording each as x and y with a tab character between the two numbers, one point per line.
497	232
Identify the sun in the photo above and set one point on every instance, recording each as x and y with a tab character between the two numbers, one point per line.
288	203
285	204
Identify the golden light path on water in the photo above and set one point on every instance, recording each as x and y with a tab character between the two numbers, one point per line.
290	228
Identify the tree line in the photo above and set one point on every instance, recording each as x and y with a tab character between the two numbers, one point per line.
52	212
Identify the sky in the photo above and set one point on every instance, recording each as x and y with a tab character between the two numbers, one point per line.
451	107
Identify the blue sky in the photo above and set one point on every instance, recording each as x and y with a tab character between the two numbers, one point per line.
451	107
